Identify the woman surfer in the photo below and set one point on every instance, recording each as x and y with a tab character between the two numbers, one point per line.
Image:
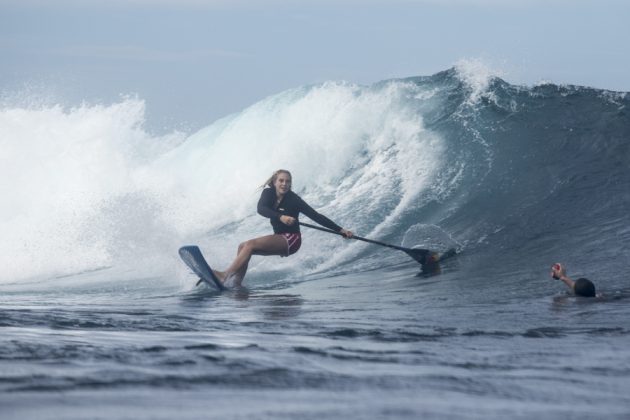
282	206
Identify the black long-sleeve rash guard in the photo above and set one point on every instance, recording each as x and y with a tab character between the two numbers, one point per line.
291	205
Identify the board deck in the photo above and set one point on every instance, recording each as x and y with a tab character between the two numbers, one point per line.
194	259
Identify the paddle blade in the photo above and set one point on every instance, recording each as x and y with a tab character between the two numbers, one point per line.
421	255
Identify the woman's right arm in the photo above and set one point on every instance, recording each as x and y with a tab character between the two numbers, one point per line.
558	272
265	204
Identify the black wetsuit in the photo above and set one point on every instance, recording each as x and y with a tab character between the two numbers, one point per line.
291	205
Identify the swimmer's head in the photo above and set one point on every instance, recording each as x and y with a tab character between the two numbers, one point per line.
584	287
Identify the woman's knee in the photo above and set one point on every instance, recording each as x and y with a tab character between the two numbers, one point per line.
246	246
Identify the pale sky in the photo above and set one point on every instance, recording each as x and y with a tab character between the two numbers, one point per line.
194	61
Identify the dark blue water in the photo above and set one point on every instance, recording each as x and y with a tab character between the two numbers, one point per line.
532	175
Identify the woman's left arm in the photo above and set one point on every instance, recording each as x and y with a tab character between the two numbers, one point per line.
311	213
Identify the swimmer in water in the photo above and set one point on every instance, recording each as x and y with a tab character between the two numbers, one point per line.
580	287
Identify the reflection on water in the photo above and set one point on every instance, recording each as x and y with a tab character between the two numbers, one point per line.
272	306
275	307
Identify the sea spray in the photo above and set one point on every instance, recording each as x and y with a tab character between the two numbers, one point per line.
61	171
101	191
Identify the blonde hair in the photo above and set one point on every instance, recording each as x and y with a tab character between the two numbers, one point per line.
272	180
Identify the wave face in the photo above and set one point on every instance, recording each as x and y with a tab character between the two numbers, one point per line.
503	171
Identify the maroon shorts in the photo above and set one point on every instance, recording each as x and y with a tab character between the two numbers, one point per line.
294	241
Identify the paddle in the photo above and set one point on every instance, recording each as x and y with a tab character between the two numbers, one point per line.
421	255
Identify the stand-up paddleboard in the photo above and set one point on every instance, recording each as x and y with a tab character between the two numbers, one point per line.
193	258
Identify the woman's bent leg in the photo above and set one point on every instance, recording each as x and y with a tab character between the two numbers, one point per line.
264	245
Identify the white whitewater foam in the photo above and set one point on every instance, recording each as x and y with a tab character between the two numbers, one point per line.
89	187
477	74
59	169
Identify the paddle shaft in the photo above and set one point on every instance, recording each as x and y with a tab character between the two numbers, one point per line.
400	248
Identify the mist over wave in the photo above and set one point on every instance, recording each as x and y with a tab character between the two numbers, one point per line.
62	170
502	169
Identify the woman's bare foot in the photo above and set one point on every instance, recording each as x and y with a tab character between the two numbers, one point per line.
221	275
232	280
228	279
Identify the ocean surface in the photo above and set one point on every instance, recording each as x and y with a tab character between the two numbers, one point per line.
99	318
